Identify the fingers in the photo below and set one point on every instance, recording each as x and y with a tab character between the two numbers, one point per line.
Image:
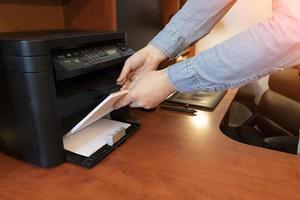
126	85
133	83
124	101
146	59
127	82
131	75
129	100
136	61
136	104
135	75
125	71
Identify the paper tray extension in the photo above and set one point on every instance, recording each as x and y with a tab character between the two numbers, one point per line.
100	154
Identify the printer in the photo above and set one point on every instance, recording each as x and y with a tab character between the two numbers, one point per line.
49	81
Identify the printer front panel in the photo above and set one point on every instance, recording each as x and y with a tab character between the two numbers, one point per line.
35	118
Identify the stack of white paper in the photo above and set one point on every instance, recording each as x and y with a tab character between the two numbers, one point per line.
89	134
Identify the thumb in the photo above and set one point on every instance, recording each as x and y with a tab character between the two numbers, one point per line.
123	101
136	61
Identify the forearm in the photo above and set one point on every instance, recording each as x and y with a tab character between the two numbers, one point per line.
245	57
191	23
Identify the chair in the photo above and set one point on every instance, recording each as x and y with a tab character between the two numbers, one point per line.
275	121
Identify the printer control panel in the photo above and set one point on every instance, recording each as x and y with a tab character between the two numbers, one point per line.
88	57
81	59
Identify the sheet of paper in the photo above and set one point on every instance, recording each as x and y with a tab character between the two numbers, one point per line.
91	138
105	107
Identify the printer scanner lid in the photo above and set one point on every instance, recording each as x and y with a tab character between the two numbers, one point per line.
36	43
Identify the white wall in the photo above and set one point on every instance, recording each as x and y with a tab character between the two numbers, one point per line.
244	14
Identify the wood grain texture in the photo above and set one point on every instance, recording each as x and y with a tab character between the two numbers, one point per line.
90	14
169	9
182	2
172	156
30	15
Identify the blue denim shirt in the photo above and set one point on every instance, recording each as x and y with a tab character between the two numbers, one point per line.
268	46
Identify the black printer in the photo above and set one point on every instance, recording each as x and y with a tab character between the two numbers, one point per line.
50	80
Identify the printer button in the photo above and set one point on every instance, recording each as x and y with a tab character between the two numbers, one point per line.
61	57
77	61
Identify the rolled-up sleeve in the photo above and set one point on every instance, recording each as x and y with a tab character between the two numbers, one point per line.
267	47
192	22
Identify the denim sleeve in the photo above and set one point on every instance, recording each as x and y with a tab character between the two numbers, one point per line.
256	52
192	22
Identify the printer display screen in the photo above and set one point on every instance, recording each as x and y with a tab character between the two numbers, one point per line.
111	51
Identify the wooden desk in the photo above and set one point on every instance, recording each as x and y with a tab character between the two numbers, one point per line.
173	156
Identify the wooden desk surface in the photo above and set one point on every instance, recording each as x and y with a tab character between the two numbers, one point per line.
173	156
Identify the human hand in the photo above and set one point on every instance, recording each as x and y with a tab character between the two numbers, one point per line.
144	60
147	90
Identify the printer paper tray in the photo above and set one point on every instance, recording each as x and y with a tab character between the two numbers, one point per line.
92	160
